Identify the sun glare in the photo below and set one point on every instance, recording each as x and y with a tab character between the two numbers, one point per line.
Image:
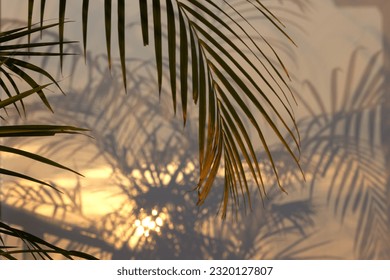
146	225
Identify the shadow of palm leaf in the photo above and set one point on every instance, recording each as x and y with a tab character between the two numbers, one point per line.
299	250
342	140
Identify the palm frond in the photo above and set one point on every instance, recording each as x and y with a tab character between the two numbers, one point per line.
218	43
18	68
38	248
13	66
34	157
146	169
224	84
37	130
34	131
19	96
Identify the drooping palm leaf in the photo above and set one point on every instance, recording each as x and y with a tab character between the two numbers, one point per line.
212	73
158	41
171	50
230	72
30	14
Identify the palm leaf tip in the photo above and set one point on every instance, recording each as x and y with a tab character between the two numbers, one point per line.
61	29
121	39
144	21
85	26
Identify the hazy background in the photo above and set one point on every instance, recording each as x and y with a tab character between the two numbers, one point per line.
140	167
